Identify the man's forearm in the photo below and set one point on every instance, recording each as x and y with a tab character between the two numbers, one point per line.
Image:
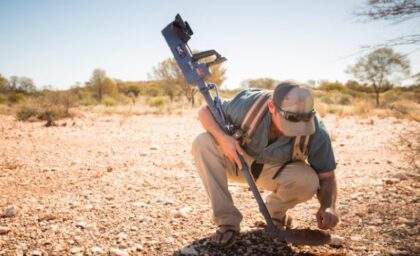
208	122
327	193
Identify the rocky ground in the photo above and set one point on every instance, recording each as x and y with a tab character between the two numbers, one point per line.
126	185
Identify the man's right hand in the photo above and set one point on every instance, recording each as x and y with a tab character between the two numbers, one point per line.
228	145
231	148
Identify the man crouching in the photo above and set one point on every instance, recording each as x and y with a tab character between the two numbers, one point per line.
289	153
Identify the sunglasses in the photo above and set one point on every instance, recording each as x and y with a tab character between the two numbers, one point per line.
296	117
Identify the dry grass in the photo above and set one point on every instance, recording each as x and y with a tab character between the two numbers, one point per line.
363	107
143	107
397	104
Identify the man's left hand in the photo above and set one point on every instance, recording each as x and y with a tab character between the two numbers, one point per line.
326	218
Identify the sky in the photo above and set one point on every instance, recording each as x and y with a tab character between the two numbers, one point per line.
59	43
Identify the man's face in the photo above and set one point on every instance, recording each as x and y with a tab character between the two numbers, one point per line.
275	116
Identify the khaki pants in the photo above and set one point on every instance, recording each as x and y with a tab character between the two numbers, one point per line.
297	183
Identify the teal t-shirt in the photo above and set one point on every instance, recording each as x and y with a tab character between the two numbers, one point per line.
320	152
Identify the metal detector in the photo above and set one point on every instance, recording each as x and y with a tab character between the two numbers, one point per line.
177	34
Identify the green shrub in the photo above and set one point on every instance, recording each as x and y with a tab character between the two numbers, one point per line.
363	107
16	97
157	101
153	90
331	86
25	112
3	98
88	101
345	99
55	111
125	99
134	89
108	101
389	97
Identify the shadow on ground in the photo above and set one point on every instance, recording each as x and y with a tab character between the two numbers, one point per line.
255	242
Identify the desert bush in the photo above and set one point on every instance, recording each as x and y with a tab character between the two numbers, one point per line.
125	99
134	89
34	109
345	99
157	101
55	111
16	97
390	97
153	90
362	107
355	86
331	86
108	101
3	98
86	98
25	112
406	108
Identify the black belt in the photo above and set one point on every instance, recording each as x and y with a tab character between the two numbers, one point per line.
256	169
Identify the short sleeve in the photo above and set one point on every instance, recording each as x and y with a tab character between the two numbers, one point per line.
236	108
320	151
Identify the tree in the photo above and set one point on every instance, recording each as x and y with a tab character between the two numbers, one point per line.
3	84
417	79
13	83
102	85
379	68
26	85
397	10
170	79
173	83
263	83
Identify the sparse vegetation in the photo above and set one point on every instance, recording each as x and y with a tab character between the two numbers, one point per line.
158	97
157	101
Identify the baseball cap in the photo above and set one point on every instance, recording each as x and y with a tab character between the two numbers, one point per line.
296	104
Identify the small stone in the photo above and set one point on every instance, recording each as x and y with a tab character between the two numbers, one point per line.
4	230
399	253
154	148
354	196
88	207
391	181
78	239
96	250
58	248
260	224
75	250
122	236
356	238
81	224
47	217
138	247
11	211
36	253
336	241
360	214
109	169
118	252
403	220
400	176
189	251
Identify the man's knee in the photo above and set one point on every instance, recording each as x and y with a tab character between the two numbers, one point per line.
202	142
300	180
